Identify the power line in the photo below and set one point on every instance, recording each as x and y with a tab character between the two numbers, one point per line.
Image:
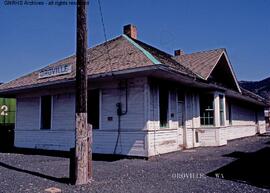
105	35
110	64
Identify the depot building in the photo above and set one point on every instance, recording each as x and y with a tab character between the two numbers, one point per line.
141	100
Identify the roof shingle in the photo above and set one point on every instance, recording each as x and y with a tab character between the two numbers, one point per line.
114	55
201	63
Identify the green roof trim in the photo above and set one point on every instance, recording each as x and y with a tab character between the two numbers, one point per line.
145	52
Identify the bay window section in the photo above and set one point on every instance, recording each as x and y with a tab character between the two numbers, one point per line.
207	109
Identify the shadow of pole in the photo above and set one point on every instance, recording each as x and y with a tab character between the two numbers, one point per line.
60	180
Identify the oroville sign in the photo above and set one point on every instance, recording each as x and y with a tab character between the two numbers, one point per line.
55	71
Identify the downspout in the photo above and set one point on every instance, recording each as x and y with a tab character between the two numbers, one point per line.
120	113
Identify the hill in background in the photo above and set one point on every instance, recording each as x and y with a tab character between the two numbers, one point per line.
261	88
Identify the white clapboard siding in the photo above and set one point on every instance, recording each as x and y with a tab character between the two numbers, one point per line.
63	112
140	132
217	136
208	137
135	117
45	139
27	114
223	136
109	98
163	141
129	143
62	134
214	136
189	137
234	132
261	122
242	115
28	133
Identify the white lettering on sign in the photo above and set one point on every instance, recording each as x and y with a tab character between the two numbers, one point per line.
4	110
55	71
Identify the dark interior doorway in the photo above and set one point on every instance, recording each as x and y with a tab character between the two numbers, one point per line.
6	136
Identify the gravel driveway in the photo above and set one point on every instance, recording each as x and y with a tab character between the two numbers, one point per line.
241	166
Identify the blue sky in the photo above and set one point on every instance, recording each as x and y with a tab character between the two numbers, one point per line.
33	36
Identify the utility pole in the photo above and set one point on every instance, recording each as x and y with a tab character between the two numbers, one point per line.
83	145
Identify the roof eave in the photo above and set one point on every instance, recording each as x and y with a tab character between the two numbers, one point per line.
237	95
9	91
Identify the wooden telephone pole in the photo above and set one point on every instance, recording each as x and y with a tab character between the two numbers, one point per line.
83	148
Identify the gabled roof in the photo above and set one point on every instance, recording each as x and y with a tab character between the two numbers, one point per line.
120	53
203	63
124	54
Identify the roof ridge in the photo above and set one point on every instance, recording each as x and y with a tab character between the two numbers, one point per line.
169	55
104	42
166	55
145	52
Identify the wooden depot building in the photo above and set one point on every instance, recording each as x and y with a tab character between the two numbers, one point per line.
142	101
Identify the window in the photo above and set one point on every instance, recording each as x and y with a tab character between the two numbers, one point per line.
207	109
46	111
163	106
221	110
93	108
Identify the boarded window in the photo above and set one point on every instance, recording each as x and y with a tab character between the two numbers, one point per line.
93	108
163	106
46	112
207	109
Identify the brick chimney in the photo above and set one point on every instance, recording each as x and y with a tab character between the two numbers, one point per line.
130	30
178	52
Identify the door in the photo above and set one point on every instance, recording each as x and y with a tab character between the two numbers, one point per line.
180	116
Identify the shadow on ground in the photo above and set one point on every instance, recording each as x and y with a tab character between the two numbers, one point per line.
249	168
60	180
64	154
28	151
